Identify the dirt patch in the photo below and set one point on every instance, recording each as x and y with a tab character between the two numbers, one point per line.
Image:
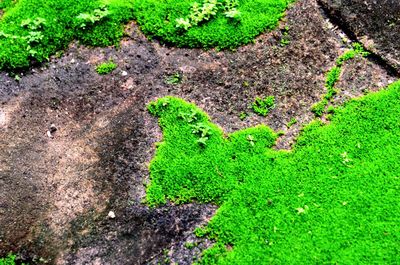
57	189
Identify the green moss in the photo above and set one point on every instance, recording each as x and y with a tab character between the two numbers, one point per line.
173	79
333	76
4	4
106	68
33	30
358	49
262	106
208	23
11	259
243	115
292	122
319	108
333	199
190	245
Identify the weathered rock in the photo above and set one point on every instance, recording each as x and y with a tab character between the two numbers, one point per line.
56	193
375	23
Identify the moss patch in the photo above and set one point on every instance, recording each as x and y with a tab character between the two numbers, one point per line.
333	76
208	23
333	199
106	68
262	106
33	30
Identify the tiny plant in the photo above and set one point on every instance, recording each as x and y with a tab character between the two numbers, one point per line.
203	131
263	106
319	107
11	259
35	35
106	68
292	122
89	19
174	79
190	245
285	40
205	12
243	115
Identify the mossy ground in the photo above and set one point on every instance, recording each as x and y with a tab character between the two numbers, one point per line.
158	19
33	30
333	199
26	130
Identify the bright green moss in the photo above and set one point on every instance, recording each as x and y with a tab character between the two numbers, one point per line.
262	106
223	24
292	122
33	30
319	108
333	76
9	260
4	4
334	199
106	68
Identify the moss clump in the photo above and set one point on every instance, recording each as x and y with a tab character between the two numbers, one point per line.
208	23
333	76
323	202
11	259
33	30
262	106
106	68
4	4
292	122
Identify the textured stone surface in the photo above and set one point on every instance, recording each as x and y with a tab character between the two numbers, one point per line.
375	23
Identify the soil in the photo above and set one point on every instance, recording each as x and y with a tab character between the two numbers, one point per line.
75	146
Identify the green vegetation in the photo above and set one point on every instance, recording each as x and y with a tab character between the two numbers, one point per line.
9	260
106	68
4	4
33	30
208	23
319	107
334	199
292	122
358	49
174	79
333	77
285	40
262	106
243	115
190	245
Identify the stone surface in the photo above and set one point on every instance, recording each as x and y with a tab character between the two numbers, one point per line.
375	23
56	193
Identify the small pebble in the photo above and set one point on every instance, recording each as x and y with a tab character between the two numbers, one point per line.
111	214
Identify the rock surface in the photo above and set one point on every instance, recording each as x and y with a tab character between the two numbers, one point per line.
375	23
56	192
